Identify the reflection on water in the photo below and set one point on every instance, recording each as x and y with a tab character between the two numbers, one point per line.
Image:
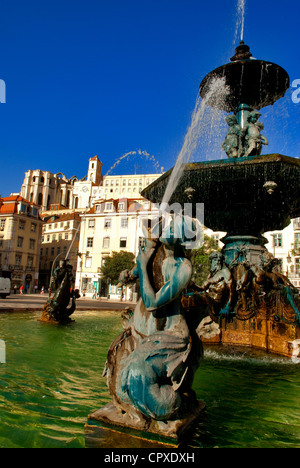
52	380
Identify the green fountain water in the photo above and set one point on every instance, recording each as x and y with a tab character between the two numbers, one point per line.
52	380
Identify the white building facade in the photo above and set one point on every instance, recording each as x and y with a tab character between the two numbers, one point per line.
112	225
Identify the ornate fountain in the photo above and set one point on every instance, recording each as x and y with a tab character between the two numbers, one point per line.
246	195
245	300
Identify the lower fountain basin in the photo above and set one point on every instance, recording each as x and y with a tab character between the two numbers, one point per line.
237	195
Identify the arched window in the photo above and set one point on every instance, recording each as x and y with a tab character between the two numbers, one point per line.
40	199
68	199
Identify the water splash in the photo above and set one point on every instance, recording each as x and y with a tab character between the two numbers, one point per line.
240	21
145	155
218	91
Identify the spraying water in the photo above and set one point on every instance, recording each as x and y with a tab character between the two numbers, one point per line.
218	90
144	154
240	21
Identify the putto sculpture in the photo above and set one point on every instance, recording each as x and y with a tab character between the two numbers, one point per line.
245	141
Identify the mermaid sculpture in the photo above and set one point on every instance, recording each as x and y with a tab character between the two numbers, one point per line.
151	364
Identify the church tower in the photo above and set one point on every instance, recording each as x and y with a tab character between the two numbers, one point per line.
95	171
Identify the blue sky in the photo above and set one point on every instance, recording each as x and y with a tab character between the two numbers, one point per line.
87	77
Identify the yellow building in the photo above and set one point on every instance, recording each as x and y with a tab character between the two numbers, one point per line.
20	234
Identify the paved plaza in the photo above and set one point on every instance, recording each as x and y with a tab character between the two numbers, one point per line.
35	302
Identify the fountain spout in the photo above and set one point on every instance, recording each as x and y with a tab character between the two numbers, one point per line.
242	52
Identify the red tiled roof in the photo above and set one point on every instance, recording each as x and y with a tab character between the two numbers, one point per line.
8	208
63	217
17	198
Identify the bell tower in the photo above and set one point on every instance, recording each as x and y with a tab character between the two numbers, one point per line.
95	171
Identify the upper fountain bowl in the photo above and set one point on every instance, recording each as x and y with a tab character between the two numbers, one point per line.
254	82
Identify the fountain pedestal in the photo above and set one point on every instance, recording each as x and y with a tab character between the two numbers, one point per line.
170	431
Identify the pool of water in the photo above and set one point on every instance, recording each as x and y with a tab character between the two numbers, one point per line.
52	380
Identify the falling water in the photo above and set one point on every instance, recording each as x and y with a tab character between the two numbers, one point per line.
240	21
218	90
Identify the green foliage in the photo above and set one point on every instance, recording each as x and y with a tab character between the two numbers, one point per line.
295	250
200	259
115	264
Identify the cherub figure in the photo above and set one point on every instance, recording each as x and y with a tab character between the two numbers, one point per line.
253	138
232	143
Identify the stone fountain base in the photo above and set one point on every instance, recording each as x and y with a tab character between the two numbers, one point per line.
258	332
171	431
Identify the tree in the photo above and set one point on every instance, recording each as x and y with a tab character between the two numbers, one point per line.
200	259
115	264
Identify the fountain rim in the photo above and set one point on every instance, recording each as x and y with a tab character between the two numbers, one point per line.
194	166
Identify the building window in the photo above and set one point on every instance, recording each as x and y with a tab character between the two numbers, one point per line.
30	262
21	225
90	242
33	227
18	260
23	208
32	244
277	240
48	238
59	237
124	181
123	242
106	243
66	236
1	241
20	242
107	223
297	240
108	206
52	251
298	267
124	222
58	250
88	262
91	223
